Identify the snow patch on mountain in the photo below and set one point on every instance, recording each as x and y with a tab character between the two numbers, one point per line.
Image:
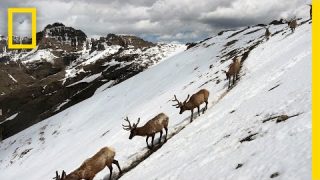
87	79
12	78
39	55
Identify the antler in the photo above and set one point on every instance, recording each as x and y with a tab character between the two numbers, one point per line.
63	175
127	127
57	176
187	98
175	99
136	124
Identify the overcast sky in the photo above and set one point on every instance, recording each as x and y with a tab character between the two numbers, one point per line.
155	20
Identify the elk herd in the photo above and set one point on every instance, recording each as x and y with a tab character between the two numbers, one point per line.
158	124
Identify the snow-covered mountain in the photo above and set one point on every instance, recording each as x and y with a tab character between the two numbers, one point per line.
259	129
66	68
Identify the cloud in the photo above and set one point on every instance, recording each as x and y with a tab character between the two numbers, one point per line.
246	12
156	20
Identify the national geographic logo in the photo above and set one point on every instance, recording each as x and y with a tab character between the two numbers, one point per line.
11	12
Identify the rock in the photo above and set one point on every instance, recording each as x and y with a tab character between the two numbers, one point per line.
282	118
276	174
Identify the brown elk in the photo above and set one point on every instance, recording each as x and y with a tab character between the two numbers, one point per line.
233	72
152	127
194	102
292	24
267	34
93	165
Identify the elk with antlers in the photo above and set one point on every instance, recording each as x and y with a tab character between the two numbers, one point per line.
152	127
194	102
93	165
234	69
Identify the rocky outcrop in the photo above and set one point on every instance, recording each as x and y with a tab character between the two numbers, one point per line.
59	37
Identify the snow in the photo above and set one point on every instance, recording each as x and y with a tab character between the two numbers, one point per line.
10	118
100	54
62	104
39	55
72	72
275	80
146	57
12	78
104	87
87	79
204	149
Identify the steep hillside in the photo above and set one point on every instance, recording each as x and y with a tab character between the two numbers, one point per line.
259	129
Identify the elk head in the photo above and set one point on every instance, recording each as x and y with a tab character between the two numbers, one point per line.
227	74
234	59
180	105
290	20
132	129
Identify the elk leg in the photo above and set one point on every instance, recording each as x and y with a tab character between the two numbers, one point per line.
110	168
57	176
147	142
152	140
233	79
166	134
191	115
198	110
160	136
117	164
205	108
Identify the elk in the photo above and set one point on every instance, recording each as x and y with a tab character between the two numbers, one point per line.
234	69
194	102
267	34
93	165
310	10
292	24
152	127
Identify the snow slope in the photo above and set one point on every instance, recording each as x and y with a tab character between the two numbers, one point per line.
275	80
210	147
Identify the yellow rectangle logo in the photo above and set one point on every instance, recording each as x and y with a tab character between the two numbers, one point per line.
33	12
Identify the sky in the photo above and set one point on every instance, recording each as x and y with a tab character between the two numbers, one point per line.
154	20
